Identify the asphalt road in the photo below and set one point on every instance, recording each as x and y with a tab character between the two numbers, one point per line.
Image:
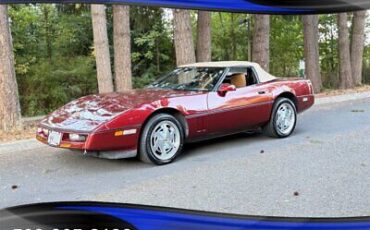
323	170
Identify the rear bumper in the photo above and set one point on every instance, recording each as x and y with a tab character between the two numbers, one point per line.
305	102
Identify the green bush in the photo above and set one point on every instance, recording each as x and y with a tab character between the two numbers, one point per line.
50	85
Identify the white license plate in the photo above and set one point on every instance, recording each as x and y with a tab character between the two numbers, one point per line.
54	138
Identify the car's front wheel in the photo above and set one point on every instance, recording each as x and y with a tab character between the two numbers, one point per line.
162	140
283	119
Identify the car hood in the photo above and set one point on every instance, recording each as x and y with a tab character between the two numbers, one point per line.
87	113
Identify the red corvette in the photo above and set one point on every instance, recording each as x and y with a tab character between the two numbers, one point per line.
194	102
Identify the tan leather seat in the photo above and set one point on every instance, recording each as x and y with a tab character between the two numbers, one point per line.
239	80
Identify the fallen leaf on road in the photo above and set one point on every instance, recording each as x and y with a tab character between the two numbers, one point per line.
315	142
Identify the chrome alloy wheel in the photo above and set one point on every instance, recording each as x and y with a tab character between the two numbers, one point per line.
285	118
165	140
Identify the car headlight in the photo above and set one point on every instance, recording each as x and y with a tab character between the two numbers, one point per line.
77	137
45	131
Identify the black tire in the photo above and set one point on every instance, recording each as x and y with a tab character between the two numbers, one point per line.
270	129
146	154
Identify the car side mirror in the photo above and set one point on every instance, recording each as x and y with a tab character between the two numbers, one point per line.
224	88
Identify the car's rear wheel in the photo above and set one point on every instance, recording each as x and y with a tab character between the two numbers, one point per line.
283	119
162	140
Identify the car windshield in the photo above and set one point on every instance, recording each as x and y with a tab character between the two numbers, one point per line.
192	79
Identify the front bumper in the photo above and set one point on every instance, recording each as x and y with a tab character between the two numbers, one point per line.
101	144
63	144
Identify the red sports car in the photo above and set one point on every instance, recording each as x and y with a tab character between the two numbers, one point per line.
194	102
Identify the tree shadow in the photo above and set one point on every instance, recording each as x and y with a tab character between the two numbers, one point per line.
198	148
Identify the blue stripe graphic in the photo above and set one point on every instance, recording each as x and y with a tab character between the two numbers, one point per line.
216	5
157	219
245	6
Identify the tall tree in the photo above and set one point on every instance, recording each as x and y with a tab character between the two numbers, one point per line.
261	41
122	47
184	46
233	37
10	112
46	11
345	70
311	50
204	36
357	45
101	44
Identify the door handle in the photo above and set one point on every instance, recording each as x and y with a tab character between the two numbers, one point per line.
261	92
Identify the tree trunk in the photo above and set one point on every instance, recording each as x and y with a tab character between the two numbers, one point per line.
224	46
101	44
122	47
10	112
204	36
261	41
357	45
345	70
233	37
47	24
311	50
184	46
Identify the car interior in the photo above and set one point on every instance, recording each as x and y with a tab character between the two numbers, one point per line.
241	77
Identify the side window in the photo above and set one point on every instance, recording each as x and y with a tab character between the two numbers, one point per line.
251	77
241	77
236	76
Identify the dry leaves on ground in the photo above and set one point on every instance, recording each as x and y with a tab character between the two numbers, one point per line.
360	89
13	135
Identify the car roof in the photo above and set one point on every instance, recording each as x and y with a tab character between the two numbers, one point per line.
222	64
261	73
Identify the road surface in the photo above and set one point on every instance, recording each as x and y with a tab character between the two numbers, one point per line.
323	170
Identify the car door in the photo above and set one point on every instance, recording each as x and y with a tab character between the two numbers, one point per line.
238	110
